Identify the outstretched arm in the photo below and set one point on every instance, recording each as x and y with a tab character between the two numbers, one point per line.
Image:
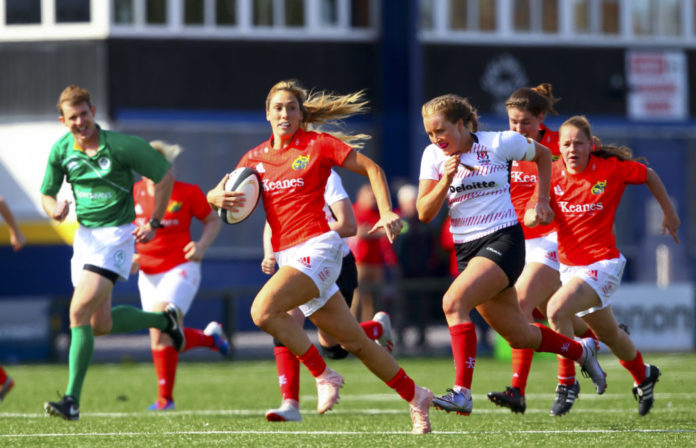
671	221
361	164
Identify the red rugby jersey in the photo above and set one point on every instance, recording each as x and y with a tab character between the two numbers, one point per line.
523	182
585	205
166	250
294	180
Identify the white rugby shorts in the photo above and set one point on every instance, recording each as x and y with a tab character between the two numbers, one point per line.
543	250
178	285
320	259
110	248
604	277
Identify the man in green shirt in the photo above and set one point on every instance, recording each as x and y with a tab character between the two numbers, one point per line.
99	165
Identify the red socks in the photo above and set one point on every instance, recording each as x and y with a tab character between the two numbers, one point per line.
196	338
3	376
372	328
588	334
463	337
288	373
636	367
521	363
566	371
313	361
165	361
553	342
403	385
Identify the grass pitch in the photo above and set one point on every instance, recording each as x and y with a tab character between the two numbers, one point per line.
223	404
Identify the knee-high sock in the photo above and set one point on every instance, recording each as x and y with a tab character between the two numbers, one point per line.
403	385
165	362
288	366
553	342
313	361
636	366
521	364
196	338
463	337
81	349
127	319
3	376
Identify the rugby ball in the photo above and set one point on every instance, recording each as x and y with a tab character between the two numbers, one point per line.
244	180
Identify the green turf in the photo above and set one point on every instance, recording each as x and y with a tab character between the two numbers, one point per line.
223	403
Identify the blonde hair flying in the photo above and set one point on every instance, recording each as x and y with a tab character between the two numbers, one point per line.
321	108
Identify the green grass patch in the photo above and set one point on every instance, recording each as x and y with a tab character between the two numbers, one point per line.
223	404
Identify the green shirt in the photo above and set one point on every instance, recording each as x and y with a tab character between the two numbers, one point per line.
103	184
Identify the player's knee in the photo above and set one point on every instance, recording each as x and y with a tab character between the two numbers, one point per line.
334	352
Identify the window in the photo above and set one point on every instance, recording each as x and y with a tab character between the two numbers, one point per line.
22	12
549	16
263	13
194	12
226	12
656	18
156	12
72	11
123	12
360	14
581	16
521	15
426	13
611	13
487	12
459	15
294	13
329	12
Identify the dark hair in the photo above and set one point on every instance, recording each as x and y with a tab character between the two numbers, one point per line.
536	100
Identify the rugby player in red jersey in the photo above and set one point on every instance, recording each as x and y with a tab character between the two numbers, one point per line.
294	165
170	270
527	108
588	182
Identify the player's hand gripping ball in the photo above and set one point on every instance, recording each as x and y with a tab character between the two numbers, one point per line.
244	180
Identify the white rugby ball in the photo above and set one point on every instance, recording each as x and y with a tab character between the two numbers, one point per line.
244	180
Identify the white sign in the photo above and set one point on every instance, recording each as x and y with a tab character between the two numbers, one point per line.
659	319
657	82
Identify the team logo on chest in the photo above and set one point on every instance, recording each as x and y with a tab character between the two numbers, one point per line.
174	206
300	162
104	163
482	157
599	187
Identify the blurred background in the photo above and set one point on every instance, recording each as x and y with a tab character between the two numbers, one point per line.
196	73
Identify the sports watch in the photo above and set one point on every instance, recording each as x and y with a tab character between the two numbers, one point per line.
155	223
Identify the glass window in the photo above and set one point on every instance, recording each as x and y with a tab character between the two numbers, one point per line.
328	12
263	12
581	16
19	12
156	12
294	13
72	11
193	12
611	13
521	15
360	14
640	15
226	12
669	17
549	16
487	11
426	14
459	15
123	12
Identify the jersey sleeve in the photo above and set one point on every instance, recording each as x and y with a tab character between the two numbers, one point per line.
334	191
333	150
199	204
634	172
428	169
513	145
140	156
53	177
